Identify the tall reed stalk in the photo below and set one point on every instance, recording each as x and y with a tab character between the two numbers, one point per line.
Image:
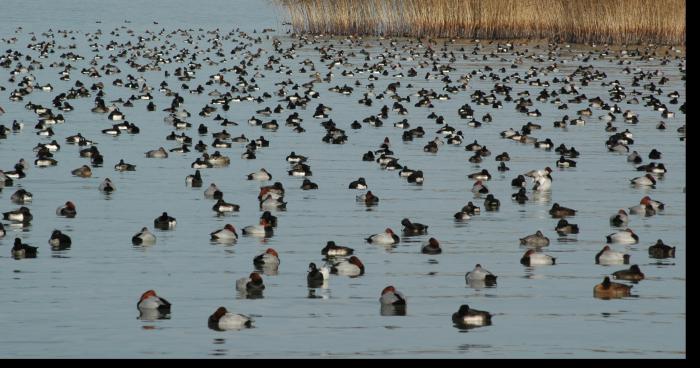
580	21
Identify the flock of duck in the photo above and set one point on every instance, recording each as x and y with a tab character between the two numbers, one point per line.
289	103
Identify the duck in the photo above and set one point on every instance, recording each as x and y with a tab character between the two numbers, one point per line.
300	169
368	198
21	196
479	274
251	284
608	289
564	227
479	188
260	175
644	203
432	246
369	156
213	191
123	166
518	182
654	154
390	296
608	256
272	201
308	185
20	250
268	259
333	250
264	229
143	237
646	180
83	172
59	240
542	183
558	211
272	220
491	203
539	173
159	153
626	236
294	158
221	207
503	157
194	180
316	277
358	184
502	167
661	250
21	214
2	230
67	210
564	162
150	301
413	228
535	240
634	157
468	317
416	177
532	258
352	267
228	233
520	196
619	219
107	186
222	320
164	222
631	274
386	238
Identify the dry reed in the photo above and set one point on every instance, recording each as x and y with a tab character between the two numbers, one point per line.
579	21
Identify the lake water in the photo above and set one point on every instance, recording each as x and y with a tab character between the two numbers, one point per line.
81	302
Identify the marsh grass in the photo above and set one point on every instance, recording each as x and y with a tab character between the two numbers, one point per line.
579	21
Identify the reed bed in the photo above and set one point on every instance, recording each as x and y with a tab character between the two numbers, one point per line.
578	21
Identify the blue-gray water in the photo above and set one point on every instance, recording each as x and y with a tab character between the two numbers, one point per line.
82	302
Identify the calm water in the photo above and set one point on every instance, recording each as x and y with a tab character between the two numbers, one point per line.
82	302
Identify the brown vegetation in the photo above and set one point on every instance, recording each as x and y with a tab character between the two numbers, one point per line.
580	21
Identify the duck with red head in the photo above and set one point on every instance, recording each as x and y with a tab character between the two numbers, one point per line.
392	302
607	256
227	234
646	180
386	238
368	198
431	247
644	203
223	320
619	219
268	259
67	210
626	236
252	284
532	258
352	267
264	229
150	301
